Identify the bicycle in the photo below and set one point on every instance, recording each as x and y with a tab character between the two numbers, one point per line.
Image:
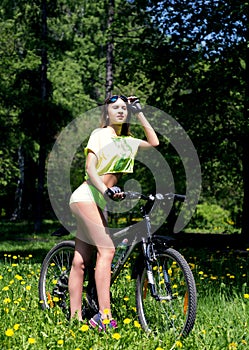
166	298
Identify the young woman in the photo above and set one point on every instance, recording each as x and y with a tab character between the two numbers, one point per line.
109	153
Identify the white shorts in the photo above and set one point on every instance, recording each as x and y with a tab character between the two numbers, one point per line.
88	193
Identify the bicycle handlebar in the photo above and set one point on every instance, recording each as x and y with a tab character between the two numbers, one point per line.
152	198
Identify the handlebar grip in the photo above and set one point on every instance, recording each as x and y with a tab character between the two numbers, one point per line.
132	195
175	196
180	197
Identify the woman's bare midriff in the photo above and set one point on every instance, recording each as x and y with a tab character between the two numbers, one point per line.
109	179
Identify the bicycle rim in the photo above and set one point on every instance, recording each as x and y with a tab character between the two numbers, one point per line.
53	282
175	311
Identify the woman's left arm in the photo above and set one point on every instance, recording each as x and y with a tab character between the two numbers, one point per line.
152	139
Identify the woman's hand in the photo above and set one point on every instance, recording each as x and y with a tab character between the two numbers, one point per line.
135	105
114	193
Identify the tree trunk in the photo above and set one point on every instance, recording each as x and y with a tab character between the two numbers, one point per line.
110	50
19	190
245	144
43	121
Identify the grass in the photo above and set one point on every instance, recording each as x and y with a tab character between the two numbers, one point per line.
223	303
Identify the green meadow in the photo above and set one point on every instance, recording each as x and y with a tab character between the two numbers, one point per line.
222	315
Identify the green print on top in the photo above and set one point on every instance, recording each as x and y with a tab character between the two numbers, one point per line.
124	150
114	154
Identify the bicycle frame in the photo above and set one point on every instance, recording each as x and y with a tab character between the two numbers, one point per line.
158	268
145	238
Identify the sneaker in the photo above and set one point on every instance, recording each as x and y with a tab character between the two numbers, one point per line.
97	321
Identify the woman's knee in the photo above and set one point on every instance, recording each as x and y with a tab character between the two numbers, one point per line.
79	263
106	254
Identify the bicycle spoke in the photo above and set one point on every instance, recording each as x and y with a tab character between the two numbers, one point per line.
168	310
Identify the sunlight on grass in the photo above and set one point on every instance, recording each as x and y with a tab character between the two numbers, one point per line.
222	318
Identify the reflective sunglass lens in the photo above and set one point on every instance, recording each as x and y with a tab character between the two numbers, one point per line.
124	98
113	99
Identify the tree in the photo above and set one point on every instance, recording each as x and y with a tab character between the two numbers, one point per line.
199	63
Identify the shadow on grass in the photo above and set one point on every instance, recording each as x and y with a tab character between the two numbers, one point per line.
20	239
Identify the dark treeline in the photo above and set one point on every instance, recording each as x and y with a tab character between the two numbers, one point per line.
62	58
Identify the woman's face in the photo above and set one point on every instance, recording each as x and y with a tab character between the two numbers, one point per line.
117	112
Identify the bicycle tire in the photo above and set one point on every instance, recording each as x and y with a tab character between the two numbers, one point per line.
54	274
175	312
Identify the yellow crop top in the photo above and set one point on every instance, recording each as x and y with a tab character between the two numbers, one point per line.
115	154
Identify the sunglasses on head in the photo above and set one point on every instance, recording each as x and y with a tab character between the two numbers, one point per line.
114	98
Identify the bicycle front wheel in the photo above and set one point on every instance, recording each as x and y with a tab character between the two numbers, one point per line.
53	281
171	307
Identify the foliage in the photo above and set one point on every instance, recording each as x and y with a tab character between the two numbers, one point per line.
210	217
186	58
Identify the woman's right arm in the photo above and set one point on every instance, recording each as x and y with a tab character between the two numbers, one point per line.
91	162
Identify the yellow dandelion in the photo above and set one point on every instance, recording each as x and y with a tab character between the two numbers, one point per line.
232	346
5	289
116	336
213	277
16	326
127	320
126	298
14	257
18	277
84	328
106	311
159	348
28	287
60	342
9	332
246	296
31	340
72	333
137	324
6	300
179	344
11	282
106	321
56	299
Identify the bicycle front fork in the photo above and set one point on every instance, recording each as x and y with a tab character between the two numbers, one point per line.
162	274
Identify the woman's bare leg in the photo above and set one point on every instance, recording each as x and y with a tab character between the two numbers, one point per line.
92	223
82	256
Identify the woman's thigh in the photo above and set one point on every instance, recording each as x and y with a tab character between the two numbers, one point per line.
91	224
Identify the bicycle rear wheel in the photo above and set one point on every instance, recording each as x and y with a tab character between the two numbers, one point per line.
53	281
173	309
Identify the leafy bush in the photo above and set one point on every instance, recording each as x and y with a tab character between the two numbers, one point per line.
211	218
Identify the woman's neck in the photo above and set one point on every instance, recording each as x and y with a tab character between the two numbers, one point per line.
117	129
